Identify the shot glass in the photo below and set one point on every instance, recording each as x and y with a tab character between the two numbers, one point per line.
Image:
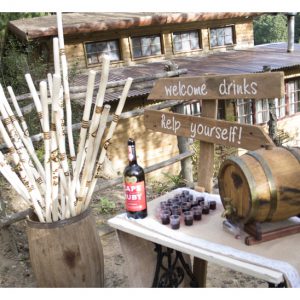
188	218
197	213
185	206
193	201
205	209
175	221
163	204
176	210
212	204
200	200
165	216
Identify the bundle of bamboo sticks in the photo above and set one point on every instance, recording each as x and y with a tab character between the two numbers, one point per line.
58	189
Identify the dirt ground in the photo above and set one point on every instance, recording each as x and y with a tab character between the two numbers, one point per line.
16	271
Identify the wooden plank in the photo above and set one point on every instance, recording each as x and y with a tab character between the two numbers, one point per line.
241	86
209	130
272	234
207	150
172	160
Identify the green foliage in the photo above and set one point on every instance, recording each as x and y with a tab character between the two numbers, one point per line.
6	17
18	59
270	29
175	180
159	187
106	206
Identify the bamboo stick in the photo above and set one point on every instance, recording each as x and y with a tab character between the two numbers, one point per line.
95	148
13	179
84	128
60	142
23	170
91	158
47	154
17	143
94	123
25	139
112	127
66	88
18	111
55	166
56	56
35	97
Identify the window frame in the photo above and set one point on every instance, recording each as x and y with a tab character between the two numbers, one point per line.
197	31
98	60
146	36
232	26
247	115
293	103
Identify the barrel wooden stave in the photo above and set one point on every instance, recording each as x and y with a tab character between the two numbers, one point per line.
263	185
66	254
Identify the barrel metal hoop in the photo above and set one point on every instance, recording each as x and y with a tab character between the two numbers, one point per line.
251	182
271	182
293	151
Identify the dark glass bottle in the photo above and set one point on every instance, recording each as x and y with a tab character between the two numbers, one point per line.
135	186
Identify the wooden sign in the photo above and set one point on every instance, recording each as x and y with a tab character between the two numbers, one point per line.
241	86
209	130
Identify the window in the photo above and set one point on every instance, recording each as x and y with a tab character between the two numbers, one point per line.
95	50
221	36
146	46
186	41
280	107
192	108
244	111
262	111
293	96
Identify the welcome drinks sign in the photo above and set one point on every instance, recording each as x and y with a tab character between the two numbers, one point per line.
242	86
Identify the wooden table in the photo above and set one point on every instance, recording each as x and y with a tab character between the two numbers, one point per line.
276	261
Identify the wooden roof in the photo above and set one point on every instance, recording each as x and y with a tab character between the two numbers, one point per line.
249	60
78	23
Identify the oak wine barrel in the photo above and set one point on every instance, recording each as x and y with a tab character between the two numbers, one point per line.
261	185
66	253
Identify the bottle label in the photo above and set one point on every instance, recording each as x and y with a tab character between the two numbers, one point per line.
135	196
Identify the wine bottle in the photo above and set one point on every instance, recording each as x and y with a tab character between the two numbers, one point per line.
134	185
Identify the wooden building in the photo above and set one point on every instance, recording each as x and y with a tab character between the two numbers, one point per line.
132	38
145	45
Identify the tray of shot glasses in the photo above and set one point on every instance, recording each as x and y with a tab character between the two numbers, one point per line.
184	209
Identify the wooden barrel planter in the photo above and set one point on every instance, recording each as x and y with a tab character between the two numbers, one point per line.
66	253
261	185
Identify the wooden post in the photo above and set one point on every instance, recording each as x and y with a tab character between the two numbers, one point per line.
183	146
204	180
207	151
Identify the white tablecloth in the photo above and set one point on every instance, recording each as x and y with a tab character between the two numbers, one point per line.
281	255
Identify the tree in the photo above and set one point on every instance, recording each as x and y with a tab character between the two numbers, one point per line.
6	17
18	58
270	29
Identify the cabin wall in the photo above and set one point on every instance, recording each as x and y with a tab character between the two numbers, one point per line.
152	147
75	50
